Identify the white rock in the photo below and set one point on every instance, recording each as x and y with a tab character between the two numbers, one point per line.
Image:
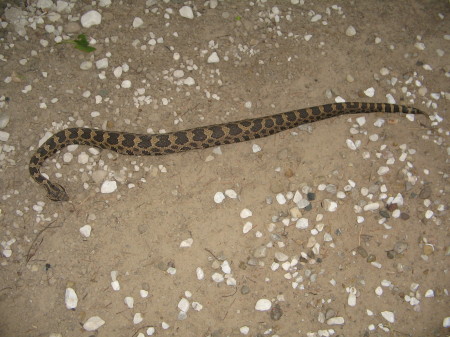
351	144
302	223
219	197
351	31
231	194
372	206
351	300
256	148
108	186
388	316
4	136
245	213
93	323
137	318
213	58
86	231
71	299
129	301
189	81
336	321
281	199
213	4
361	120
44	4
186	243
281	257
244	330
186	12
7	252
247	227
329	205
4	120
104	3
429	293
263	304
118	71
197	306
83	158
91	18
115	285
178	73
137	22
225	266
383	170
217	277
419	45
86	65
102	64
143	293
429	214
126	84
369	92
183	305
316	18
200	273
446	322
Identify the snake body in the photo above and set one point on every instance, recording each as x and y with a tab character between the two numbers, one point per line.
196	138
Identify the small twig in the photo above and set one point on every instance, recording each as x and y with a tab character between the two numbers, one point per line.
35	244
212	254
235	291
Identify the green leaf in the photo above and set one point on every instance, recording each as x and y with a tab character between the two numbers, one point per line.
86	49
81	43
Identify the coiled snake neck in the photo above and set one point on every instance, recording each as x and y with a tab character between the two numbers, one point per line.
196	138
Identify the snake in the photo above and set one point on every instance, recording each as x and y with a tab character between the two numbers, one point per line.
191	139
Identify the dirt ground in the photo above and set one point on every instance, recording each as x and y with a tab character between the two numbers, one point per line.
374	266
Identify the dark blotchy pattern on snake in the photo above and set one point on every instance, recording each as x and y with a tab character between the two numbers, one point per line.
197	138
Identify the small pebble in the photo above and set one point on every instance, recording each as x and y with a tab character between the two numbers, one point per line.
370	92
247	227
231	194
4	136
137	22
351	31
129	301
183	305
245	213
336	321
108	186
93	323
263	305
219	197
302	223
71	299
186	12
388	316
213	58
86	231
137	318
329	205
186	243
91	18
316	18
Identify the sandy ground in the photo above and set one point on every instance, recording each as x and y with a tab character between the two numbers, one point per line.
374	272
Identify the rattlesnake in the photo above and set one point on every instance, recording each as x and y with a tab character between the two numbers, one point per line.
196	138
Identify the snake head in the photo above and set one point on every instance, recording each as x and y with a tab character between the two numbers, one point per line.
56	192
